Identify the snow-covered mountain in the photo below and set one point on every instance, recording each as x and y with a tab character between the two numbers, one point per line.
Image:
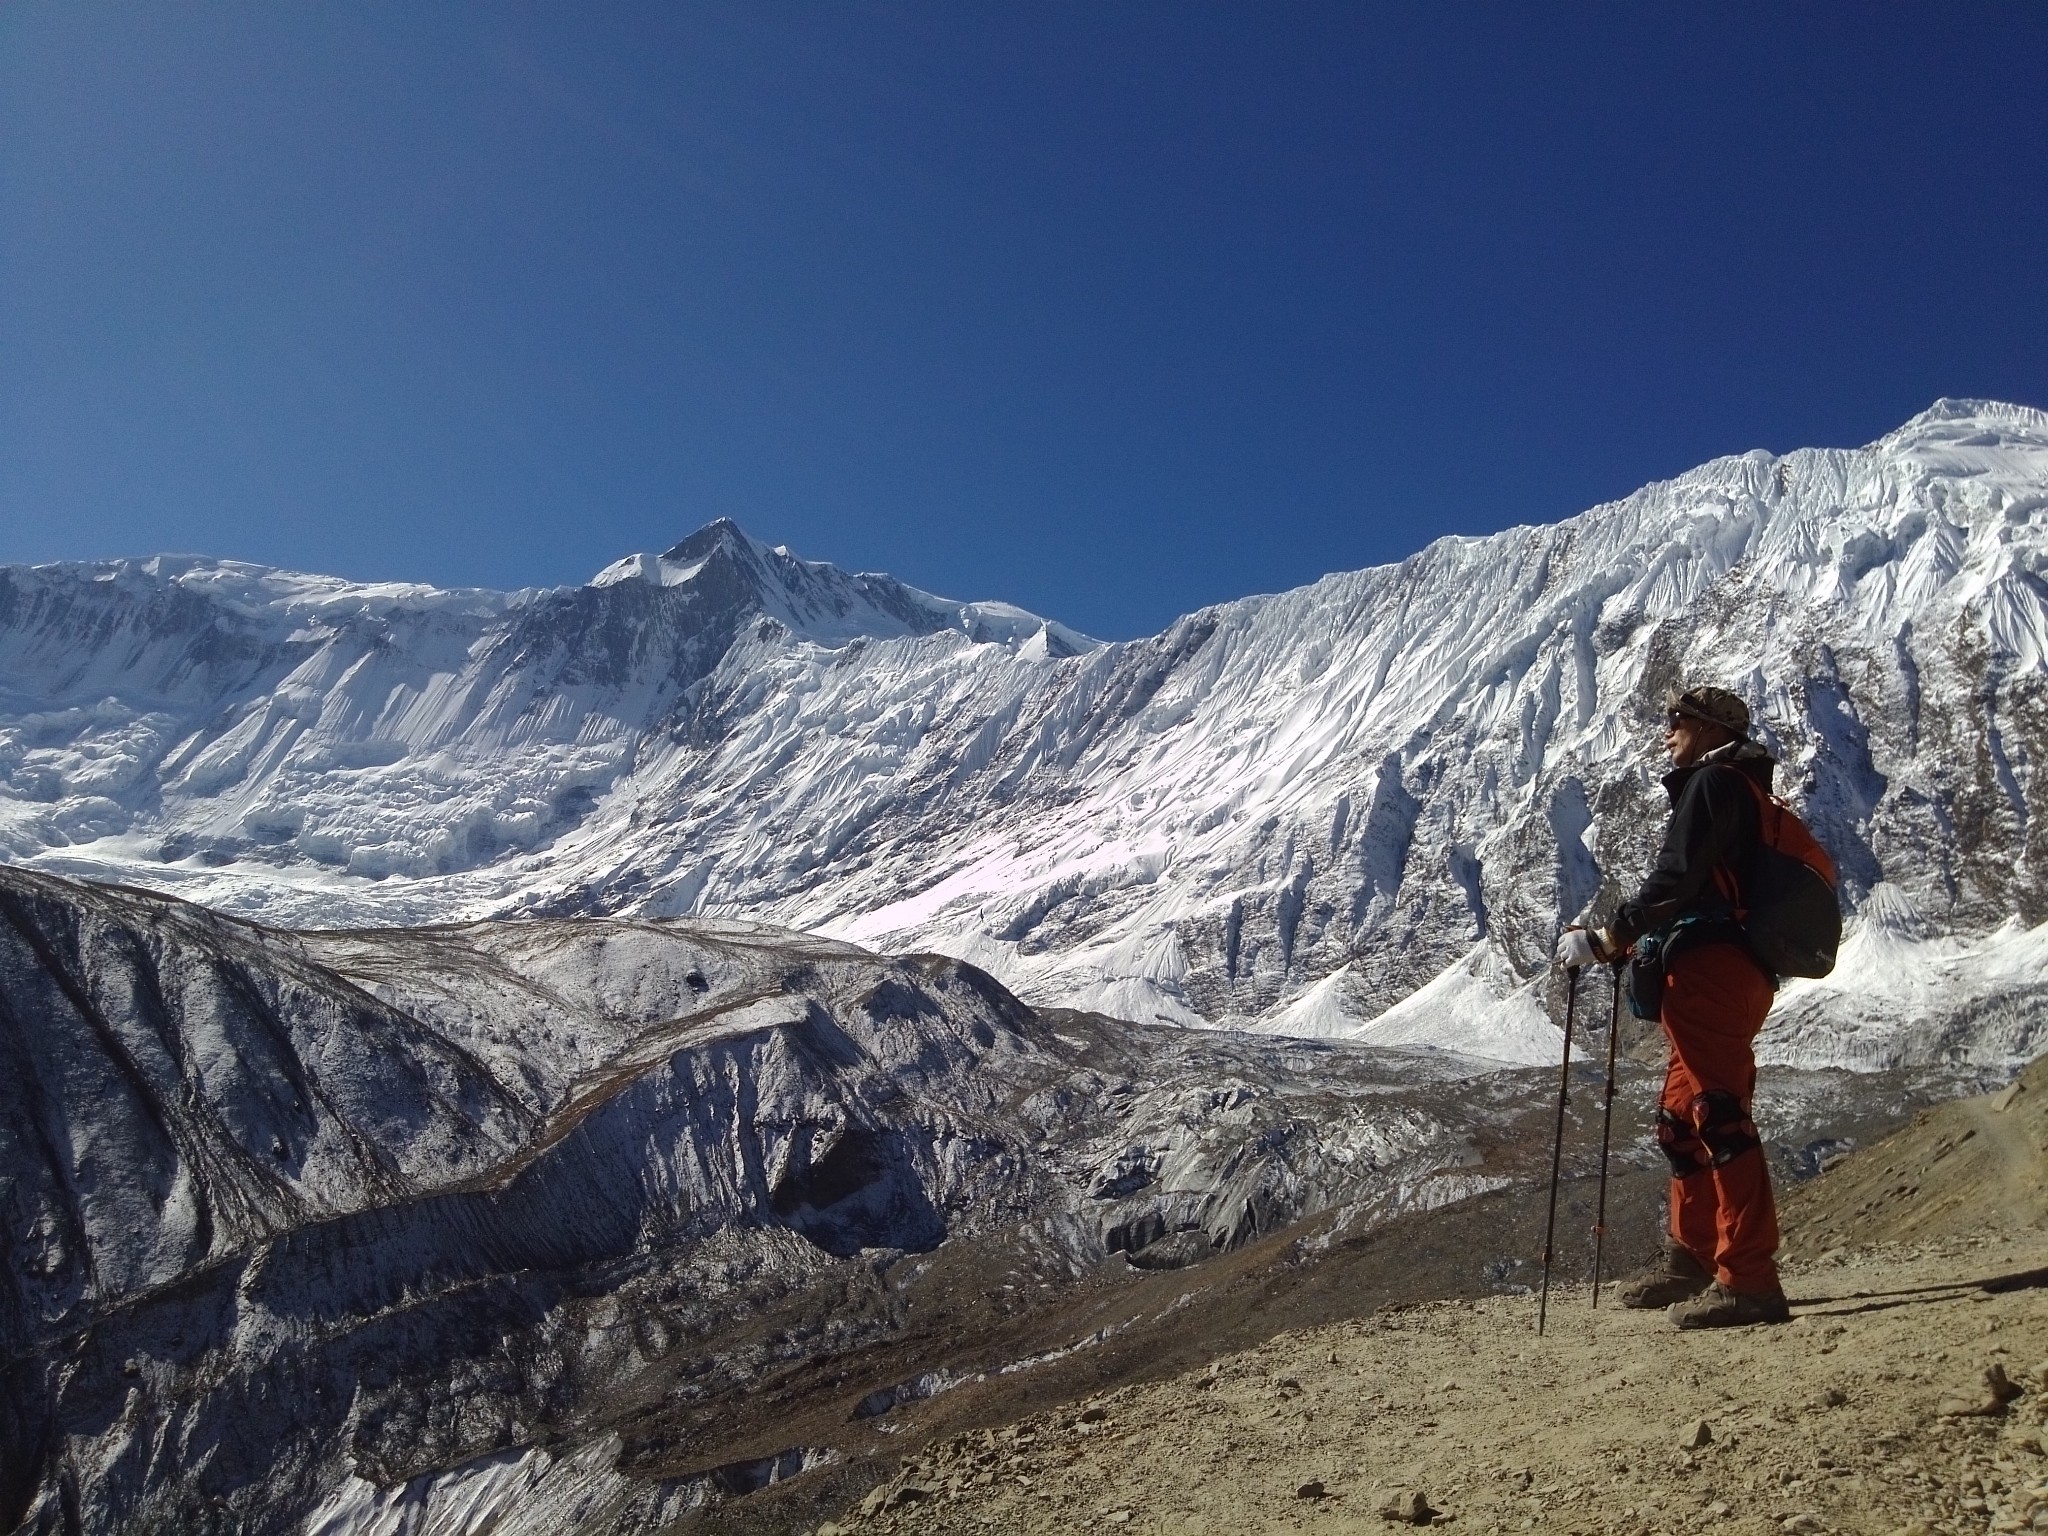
1360	807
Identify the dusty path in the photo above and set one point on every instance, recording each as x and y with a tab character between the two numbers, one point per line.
1829	1423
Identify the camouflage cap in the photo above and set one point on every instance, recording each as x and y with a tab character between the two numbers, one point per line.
1716	706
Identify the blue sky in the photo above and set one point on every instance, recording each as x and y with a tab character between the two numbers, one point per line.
1111	310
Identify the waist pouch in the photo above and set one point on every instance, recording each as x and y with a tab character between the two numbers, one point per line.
1651	959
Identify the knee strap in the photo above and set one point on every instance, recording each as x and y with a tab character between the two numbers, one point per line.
1682	1149
1724	1125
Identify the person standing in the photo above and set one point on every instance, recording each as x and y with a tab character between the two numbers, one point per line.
1691	970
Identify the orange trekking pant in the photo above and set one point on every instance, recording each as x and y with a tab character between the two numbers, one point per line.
1722	1212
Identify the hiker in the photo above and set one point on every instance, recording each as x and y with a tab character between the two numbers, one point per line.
1692	971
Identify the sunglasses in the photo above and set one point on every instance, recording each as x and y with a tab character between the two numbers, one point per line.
1675	718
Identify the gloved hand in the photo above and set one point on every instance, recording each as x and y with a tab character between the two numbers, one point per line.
1580	947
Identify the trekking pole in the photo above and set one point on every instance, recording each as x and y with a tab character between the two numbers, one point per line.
1606	1132
1564	1083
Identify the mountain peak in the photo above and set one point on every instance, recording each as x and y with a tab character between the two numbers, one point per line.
681	562
1950	416
720	533
822	603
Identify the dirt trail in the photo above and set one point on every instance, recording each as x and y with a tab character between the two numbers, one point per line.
1831	1423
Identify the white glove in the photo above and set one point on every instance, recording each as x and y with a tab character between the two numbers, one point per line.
1578	948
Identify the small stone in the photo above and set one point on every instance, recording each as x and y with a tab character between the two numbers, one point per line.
910	1493
1697	1434
1718	1509
1410	1508
1118	1517
1094	1414
1834	1397
1312	1489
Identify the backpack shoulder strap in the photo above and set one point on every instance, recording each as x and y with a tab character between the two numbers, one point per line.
1765	802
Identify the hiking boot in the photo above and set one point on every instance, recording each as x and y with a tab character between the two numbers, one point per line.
1680	1278
1720	1307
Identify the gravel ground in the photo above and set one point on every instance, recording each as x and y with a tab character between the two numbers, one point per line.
1833	1422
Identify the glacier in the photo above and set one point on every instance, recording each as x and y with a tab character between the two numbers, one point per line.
1356	809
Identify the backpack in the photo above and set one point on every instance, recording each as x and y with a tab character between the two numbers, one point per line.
1788	909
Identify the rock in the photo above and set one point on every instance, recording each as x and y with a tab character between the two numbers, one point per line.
1999	1390
1697	1434
911	1493
2008	1097
1411	1508
1833	1397
1118	1517
1312	1489
1798	1523
1718	1509
1095	1413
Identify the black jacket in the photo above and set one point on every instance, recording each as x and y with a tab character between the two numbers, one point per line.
1714	824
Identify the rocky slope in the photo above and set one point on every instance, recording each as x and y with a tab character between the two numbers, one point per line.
1356	808
1909	1394
1611	1423
1962	1167
286	1209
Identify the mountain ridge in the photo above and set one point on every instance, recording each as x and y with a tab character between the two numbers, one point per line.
1293	811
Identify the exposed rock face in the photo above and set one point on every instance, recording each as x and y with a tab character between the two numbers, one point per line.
1288	811
288	1214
